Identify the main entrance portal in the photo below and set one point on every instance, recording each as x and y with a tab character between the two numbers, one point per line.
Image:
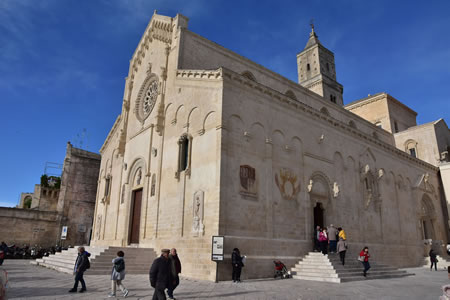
135	216
318	215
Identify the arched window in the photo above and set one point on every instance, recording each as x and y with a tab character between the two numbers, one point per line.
184	155
27	202
411	148
308	67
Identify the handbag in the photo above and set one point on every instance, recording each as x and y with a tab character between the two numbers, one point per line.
361	258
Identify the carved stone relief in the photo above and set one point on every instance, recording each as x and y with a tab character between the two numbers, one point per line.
287	183
152	191
138	177
247	177
98	227
197	212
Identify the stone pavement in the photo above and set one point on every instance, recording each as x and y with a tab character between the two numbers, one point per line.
32	282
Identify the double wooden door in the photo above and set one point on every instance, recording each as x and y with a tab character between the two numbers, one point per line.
135	216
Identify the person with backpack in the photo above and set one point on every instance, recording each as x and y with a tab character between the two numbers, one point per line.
342	248
118	274
81	265
433	259
236	261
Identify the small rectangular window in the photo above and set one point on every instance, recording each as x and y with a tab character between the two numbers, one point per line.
395	127
308	67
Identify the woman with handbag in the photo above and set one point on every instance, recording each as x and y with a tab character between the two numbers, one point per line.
433	259
323	240
118	274
364	258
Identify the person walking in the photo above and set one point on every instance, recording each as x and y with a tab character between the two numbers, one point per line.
160	275
118	275
316	239
342	248
236	260
175	269
364	258
433	260
342	233
323	240
332	238
81	265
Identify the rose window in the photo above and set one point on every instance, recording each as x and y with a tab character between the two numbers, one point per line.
150	97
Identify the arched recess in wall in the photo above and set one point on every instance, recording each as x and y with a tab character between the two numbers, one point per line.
257	139
249	75
194	121
427	216
209	122
179	114
290	94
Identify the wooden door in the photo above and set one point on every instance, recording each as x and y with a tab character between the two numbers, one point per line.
136	217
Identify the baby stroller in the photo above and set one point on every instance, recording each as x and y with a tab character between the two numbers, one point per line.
280	270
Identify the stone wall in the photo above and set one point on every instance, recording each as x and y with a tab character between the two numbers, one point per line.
76	201
31	227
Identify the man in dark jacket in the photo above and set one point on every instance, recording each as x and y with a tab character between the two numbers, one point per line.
81	265
160	275
175	269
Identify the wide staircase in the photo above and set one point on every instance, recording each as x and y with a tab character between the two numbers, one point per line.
318	267
137	260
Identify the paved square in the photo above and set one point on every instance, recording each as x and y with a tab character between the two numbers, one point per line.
31	282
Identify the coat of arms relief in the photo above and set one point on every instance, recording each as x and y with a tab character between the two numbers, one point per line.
288	184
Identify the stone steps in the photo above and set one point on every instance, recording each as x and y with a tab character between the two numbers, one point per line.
328	268
137	260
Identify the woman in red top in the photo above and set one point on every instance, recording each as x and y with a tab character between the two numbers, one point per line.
365	253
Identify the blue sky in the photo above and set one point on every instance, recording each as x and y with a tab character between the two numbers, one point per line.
63	62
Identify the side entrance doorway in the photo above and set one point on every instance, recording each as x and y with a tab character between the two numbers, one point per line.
318	215
135	223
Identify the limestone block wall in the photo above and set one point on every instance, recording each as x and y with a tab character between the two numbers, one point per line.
424	139
30	227
78	193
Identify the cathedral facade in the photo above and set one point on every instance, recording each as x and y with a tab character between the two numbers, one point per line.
210	143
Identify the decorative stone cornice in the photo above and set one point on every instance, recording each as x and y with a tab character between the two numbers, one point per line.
200	74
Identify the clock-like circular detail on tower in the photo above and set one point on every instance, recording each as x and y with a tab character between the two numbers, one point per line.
146	98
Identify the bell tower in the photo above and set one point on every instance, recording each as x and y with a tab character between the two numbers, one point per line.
317	72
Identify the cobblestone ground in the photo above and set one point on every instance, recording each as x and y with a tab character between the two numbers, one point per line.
31	282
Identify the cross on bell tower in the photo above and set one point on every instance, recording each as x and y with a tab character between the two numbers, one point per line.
316	69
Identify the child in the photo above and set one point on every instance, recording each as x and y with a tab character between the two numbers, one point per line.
118	274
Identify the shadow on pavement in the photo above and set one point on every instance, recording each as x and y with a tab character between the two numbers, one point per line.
214	295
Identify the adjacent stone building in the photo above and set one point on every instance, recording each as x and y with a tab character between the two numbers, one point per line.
210	143
70	202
